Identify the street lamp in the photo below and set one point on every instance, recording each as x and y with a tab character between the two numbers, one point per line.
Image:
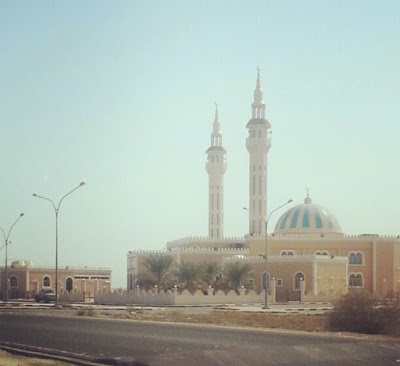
265	255
56	211
6	241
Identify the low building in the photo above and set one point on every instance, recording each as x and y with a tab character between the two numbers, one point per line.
25	280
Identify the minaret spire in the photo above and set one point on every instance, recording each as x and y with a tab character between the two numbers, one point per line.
216	167
258	143
216	128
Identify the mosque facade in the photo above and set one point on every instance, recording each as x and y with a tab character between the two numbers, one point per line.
307	248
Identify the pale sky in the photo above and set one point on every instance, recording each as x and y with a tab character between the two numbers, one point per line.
121	95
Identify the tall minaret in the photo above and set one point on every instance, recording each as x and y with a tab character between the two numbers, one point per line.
258	143
216	167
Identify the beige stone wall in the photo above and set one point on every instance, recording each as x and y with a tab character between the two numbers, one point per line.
386	269
384	281
30	280
283	271
331	279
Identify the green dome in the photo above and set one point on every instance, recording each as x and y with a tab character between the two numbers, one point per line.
308	218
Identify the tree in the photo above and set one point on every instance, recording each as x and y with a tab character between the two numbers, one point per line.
146	281
158	265
209	272
188	276
236	274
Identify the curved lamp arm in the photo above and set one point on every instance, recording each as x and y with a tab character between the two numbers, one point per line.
9	231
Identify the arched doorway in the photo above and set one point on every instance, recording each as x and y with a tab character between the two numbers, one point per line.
265	281
69	284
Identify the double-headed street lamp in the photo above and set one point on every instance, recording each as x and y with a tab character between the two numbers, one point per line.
6	242
56	211
265	283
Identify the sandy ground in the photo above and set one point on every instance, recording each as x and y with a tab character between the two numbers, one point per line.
8	359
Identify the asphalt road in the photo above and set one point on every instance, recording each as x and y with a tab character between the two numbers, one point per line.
167	344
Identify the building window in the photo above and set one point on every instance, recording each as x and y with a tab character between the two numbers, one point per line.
285	253
356	258
299	276
46	281
318	220
13	281
325	253
279	282
355	280
68	284
306	219
293	222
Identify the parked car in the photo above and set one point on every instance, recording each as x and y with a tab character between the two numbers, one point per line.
45	295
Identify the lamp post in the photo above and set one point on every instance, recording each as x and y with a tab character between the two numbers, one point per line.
265	284
6	242
56	211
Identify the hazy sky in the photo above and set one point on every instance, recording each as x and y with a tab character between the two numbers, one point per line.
121	95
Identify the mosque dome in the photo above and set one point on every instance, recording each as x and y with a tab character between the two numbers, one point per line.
308	218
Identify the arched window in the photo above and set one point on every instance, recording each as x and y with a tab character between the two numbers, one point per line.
322	253
299	276
13	281
68	284
261	255
265	281
46	281
286	253
356	258
355	280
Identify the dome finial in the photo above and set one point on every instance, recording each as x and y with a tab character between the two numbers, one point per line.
308	199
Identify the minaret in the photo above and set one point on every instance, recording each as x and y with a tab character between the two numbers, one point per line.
258	143
216	167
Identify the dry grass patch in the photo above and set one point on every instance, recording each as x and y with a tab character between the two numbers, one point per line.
311	323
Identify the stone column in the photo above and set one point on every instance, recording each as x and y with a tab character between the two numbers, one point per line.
272	299
302	289
384	288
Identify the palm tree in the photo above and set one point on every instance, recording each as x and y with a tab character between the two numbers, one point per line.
188	276
158	265
145	281
209	273
236	273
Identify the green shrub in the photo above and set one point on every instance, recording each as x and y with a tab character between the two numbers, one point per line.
361	313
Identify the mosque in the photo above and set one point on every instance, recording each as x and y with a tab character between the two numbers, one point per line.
307	248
